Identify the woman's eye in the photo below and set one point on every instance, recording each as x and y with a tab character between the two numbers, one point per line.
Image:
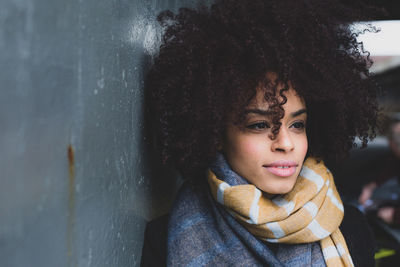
299	125
259	126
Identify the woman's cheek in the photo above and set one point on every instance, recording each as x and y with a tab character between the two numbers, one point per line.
251	147
305	144
301	146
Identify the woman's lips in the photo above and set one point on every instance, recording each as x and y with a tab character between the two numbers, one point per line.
282	168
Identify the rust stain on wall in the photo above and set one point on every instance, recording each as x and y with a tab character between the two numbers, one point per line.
71	208
71	161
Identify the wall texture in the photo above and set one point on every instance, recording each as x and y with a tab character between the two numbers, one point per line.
77	182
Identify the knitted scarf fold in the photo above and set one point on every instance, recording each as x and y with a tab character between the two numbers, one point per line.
312	211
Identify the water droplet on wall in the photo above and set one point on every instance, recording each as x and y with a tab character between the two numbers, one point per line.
101	83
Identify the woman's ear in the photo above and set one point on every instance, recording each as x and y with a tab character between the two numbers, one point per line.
221	143
219	147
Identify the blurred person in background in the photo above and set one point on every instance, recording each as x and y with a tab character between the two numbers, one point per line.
389	214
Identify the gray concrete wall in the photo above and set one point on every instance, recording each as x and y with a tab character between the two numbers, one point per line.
77	183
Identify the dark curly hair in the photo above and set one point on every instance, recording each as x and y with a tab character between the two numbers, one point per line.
213	59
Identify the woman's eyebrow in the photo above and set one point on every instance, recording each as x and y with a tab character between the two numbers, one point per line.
269	113
298	113
258	111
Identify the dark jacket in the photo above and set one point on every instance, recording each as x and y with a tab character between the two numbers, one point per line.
354	227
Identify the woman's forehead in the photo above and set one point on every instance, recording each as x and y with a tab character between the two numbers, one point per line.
260	102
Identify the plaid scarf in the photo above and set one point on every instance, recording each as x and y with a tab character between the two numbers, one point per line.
312	211
201	232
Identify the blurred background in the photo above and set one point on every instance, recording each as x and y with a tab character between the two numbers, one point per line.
370	178
78	181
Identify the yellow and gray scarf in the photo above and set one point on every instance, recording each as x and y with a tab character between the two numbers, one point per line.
312	211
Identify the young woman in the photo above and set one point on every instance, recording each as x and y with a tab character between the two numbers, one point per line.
248	98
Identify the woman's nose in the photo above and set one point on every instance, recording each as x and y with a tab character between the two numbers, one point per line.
283	141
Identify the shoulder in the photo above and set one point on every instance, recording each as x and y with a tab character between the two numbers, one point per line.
359	237
154	252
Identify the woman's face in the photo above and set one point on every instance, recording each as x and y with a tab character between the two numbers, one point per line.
271	165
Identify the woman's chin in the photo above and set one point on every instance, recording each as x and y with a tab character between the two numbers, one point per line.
280	189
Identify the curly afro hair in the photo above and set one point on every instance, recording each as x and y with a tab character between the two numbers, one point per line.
213	59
